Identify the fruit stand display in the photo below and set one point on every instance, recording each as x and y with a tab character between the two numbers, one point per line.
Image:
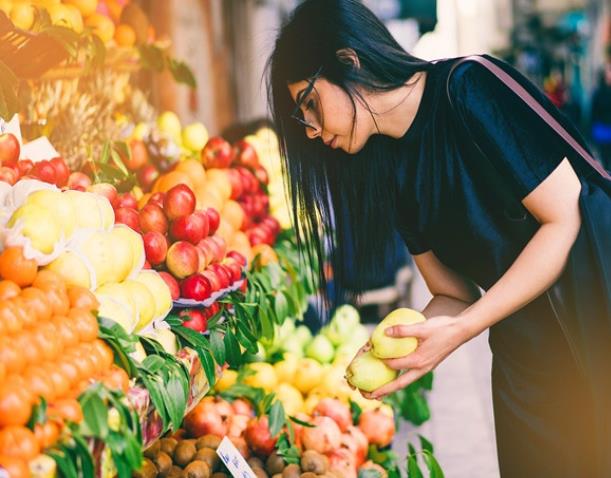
151	290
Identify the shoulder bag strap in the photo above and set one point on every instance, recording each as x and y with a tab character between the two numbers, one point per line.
519	90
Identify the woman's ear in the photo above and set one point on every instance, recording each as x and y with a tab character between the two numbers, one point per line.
348	56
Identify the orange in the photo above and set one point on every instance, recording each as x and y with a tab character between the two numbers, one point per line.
26	317
116	379
8	289
58	301
194	169
46	278
15	405
38	382
15	267
69	371
102	26
12	358
82	298
266	254
84	323
10	318
46	434
18	442
25	343
47	341
171	179
2	372
36	302
68	408
66	331
103	353
83	364
125	35
61	383
79	388
15	467
233	214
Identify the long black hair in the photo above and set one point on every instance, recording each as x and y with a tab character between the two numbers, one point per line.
351	196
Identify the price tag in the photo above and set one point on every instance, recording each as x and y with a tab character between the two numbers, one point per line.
233	460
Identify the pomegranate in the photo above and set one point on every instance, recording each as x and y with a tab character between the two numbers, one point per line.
355	441
378	427
203	420
324	437
259	437
237	425
343	463
242	407
338	411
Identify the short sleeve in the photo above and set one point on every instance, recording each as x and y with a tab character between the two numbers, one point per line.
416	242
518	142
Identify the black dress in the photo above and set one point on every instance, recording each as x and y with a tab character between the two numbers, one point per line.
452	202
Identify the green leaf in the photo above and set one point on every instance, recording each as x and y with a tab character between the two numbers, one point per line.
267	325
301	422
153	385
209	367
246	337
116	159
426	381
177	399
232	350
217	346
39	414
413	470
86	460
153	363
425	444
65	465
356	411
152	57
435	470
182	73
412	450
280	307
277	418
95	415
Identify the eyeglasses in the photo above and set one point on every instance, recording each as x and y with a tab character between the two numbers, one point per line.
297	114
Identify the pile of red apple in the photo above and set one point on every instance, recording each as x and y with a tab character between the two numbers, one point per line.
246	176
53	171
181	240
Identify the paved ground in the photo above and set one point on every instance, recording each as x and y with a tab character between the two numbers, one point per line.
462	425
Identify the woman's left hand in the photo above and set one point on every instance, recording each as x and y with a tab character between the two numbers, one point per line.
437	338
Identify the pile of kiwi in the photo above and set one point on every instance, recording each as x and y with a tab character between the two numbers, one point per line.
197	458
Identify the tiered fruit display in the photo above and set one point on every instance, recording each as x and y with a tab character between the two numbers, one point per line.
49	349
114	22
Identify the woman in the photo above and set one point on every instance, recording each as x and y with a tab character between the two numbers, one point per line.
485	194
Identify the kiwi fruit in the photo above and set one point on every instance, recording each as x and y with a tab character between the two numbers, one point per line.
291	471
184	453
309	474
147	470
163	463
168	445
274	464
152	450
260	473
209	456
196	469
314	462
208	441
175	472
255	462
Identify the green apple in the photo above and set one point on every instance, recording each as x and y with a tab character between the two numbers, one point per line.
195	137
321	349
293	345
303	334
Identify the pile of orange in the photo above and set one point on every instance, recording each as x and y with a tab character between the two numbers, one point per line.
49	348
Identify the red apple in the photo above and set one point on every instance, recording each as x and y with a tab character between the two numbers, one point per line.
24	166
44	171
171	283
129	217
245	154
108	191
182	259
216	154
221	247
212	310
8	175
234	267
179	201
189	228
157	199
238	257
261	175
213	279
214	219
194	319
208	249
147	175
251	185
152	218
195	287
237	188
62	172
256	236
139	155
79	181
9	149
126	200
201	213
273	223
155	247
223	275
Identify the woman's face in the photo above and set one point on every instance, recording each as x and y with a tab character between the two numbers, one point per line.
329	110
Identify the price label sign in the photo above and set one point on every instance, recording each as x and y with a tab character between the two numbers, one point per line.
233	460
